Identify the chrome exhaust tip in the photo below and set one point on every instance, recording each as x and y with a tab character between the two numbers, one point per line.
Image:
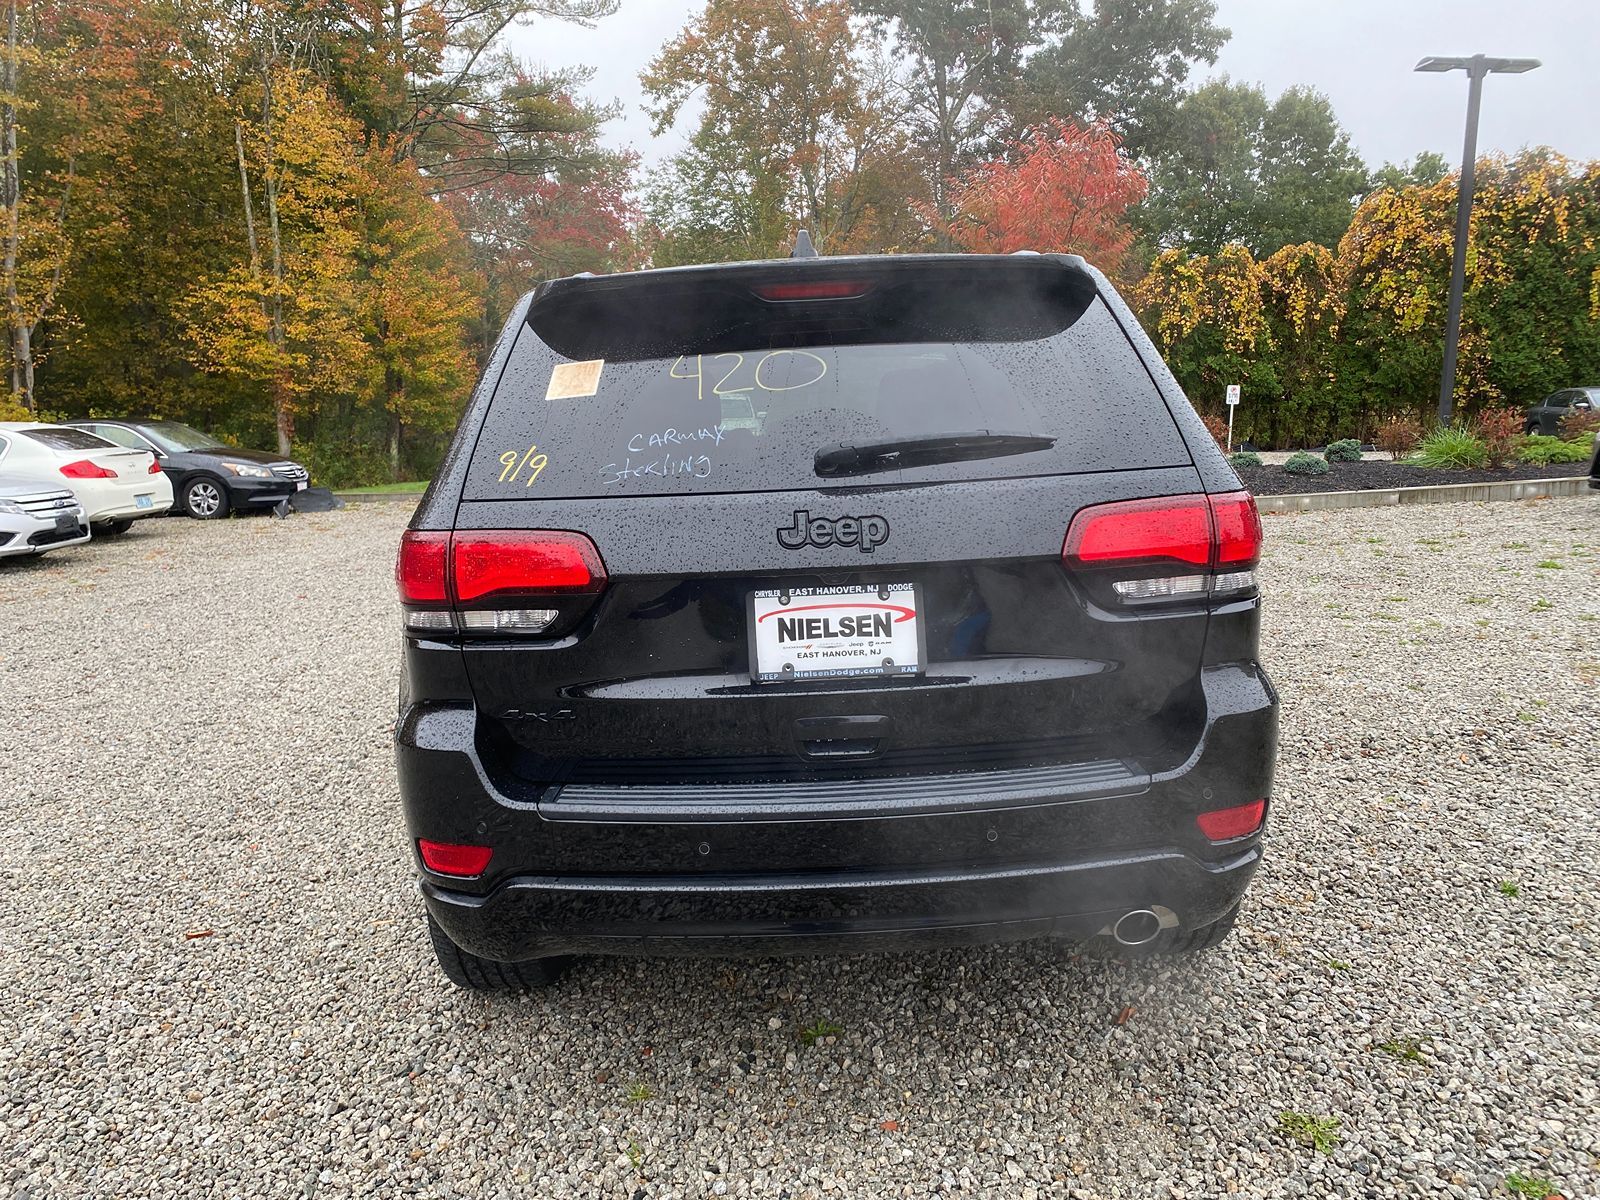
1136	928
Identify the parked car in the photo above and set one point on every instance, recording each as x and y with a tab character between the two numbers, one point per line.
115	485
210	478
1546	416
830	605
1594	463
34	520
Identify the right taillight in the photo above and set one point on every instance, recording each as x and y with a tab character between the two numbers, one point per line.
1167	548
496	581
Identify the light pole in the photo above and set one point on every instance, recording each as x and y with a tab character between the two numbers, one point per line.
1476	68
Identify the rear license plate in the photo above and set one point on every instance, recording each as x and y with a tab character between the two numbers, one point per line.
142	501
835	632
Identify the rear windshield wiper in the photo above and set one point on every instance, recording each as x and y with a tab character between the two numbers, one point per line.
859	458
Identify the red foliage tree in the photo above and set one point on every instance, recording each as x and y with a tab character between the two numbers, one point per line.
1064	187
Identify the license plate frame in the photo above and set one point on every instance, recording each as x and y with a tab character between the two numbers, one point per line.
145	501
856	652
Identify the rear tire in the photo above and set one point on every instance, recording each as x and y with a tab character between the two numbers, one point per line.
485	975
1172	942
112	528
205	498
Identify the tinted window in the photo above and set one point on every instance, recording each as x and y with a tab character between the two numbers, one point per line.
67	439
753	420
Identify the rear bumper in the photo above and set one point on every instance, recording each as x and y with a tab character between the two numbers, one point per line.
850	865
528	917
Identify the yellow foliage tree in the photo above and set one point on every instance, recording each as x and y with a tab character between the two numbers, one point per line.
288	318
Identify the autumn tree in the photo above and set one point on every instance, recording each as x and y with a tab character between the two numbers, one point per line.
1242	169
1123	62
960	58
285	318
417	302
790	123
69	87
1063	188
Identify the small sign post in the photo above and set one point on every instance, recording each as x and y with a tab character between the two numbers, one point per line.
1233	403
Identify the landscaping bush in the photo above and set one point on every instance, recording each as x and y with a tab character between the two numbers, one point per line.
1579	424
1500	430
1218	429
1344	450
1245	458
1541	451
1398	436
1306	464
1451	447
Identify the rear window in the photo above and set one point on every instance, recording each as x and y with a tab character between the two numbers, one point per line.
68	439
753	419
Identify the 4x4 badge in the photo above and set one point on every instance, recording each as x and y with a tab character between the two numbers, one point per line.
868	533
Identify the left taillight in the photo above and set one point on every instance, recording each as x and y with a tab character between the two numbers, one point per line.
514	582
84	469
1167	548
155	468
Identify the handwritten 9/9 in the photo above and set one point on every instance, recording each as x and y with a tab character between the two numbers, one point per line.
532	460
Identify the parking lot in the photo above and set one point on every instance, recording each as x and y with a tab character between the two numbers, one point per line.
214	980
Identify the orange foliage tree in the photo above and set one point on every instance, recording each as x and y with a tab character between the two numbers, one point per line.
1064	187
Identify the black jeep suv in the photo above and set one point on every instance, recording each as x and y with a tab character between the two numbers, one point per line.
829	604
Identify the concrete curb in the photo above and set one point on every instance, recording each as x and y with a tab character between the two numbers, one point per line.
1450	493
379	497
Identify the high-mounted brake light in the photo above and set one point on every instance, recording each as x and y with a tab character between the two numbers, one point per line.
820	289
1169	547
495	581
454	858
84	469
1225	824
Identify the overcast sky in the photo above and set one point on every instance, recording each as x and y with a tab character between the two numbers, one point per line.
1359	52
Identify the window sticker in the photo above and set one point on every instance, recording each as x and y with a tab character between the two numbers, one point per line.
571	380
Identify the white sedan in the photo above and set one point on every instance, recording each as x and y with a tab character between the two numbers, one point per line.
115	485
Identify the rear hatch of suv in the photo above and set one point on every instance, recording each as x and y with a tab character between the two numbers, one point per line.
728	528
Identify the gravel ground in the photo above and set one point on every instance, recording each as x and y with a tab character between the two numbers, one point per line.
214	980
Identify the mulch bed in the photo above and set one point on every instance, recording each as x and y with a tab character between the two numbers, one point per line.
1380	476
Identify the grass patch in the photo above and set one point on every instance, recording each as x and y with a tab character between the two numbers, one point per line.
1408	1049
415	486
1549	564
1535	1186
1319	1133
639	1093
1510	887
1338	964
819	1029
